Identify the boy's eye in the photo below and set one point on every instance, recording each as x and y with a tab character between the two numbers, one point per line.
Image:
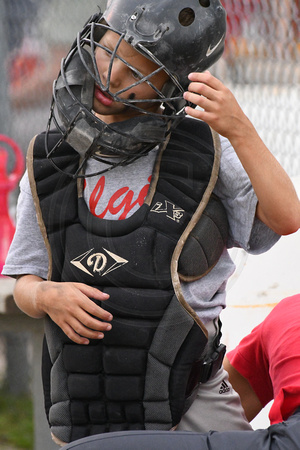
135	75
107	53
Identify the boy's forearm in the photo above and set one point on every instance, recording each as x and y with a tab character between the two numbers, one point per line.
278	203
25	296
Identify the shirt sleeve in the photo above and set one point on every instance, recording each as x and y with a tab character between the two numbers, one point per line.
237	195
27	253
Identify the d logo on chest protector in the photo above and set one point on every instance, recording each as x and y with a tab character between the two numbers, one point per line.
98	263
172	211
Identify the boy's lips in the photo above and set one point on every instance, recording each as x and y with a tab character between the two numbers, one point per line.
102	97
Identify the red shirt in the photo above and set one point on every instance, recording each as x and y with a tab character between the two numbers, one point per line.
269	358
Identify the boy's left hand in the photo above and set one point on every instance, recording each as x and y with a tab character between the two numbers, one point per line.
278	208
220	108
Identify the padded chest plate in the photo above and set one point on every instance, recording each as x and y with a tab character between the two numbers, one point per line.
113	384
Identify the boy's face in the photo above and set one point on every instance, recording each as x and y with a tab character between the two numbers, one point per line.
122	76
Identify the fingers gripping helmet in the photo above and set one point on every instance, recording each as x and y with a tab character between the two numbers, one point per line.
179	36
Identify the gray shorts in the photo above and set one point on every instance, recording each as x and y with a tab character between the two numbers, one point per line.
217	405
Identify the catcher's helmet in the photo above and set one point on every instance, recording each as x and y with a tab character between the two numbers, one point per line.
179	36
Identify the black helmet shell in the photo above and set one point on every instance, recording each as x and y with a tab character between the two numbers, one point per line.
183	35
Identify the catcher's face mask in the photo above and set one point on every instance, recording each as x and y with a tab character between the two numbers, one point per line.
99	111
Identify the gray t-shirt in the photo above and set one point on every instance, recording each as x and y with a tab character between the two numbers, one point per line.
119	194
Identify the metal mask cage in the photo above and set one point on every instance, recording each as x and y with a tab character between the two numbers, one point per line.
72	113
91	37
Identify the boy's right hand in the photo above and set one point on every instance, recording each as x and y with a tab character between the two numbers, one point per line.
68	304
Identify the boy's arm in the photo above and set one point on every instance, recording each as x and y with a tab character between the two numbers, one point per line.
68	305
278	204
249	399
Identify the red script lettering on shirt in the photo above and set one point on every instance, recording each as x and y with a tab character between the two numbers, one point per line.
121	202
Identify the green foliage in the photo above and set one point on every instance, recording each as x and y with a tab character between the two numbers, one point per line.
16	421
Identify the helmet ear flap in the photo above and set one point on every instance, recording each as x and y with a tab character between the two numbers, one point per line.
94	18
168	89
98	32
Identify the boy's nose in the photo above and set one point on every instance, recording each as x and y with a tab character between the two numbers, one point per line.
116	75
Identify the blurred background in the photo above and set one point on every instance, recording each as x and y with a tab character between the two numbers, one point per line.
260	65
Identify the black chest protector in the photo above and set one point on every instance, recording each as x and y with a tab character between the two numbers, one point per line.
142	373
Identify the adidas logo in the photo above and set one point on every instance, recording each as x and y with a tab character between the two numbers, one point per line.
224	388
